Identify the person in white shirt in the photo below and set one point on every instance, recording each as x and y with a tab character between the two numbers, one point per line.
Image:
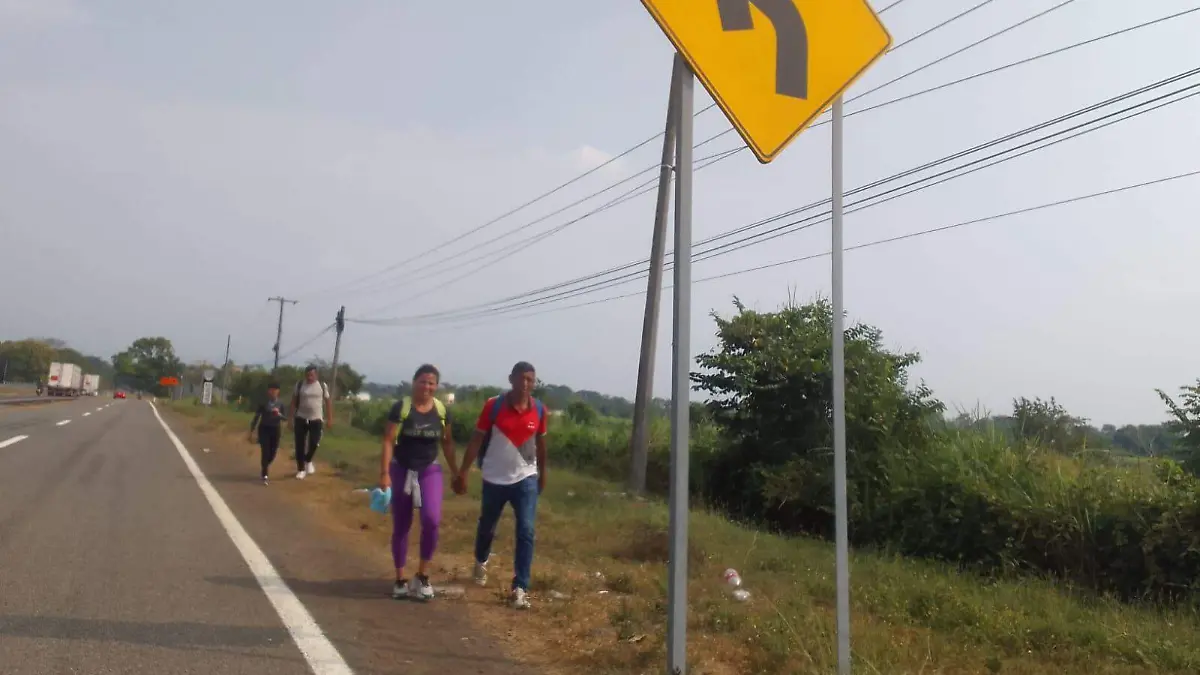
312	413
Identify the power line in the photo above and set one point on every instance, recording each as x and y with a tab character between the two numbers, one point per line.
972	45
1013	64
555	190
941	59
939	87
294	350
943	24
859	205
523	298
778	230
879	242
636	192
499	255
897	2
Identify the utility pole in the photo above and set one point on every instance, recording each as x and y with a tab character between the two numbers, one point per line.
279	332
225	371
340	323
640	439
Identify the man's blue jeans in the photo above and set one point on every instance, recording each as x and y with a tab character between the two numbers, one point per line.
523	496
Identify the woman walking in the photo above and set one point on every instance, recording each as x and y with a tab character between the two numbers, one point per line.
416	426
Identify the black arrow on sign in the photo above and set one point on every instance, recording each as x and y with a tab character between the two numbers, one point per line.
791	39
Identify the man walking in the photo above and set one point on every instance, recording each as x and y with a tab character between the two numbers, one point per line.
510	441
311	405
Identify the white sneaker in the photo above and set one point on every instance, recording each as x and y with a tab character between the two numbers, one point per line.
311	469
300	475
481	574
520	599
420	588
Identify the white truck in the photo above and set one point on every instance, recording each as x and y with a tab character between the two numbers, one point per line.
65	379
91	385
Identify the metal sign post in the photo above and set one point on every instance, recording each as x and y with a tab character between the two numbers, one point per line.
681	367
820	48
841	515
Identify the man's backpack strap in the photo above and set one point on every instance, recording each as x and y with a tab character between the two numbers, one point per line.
496	404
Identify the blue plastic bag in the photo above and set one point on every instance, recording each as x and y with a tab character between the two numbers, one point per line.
380	500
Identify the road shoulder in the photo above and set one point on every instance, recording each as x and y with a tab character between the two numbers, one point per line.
332	560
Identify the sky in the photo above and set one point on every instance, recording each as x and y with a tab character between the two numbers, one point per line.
167	167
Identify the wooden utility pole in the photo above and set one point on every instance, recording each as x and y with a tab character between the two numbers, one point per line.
340	323
225	371
279	332
640	438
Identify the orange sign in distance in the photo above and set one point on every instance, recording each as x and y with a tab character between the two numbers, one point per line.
773	66
169	381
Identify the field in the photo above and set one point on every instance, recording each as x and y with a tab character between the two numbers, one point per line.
13	390
600	588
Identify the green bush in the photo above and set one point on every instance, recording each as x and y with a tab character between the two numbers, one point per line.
969	494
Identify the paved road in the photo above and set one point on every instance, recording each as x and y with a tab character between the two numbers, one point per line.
118	555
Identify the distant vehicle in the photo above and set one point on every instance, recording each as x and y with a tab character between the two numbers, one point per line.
91	385
118	394
66	379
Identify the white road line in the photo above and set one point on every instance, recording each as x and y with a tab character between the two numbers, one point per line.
323	658
101	408
62	423
12	441
86	414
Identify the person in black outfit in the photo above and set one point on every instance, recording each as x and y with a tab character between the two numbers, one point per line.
268	419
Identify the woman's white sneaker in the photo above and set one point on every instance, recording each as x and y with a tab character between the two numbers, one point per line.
420	588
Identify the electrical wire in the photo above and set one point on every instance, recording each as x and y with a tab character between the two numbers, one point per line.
943	24
859	206
501	254
906	97
296	349
395	266
643	189
524	297
940	59
473	321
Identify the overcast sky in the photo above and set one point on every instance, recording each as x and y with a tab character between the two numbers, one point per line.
166	167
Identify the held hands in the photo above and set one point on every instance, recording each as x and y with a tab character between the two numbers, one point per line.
459	484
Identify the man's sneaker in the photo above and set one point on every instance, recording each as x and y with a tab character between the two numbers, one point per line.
266	481
400	589
311	469
481	574
420	588
519	599
300	475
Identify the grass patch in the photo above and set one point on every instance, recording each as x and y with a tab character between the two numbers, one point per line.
600	591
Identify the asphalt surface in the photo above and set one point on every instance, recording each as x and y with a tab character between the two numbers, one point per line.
114	560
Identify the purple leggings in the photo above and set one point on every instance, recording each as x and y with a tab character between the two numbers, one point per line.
430	480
